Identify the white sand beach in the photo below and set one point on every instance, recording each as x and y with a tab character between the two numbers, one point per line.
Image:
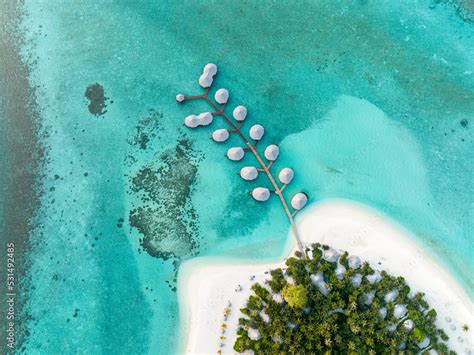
206	285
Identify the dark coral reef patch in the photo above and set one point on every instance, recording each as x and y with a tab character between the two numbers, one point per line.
164	215
147	129
95	93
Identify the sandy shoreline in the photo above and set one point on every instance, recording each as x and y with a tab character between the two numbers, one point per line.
206	285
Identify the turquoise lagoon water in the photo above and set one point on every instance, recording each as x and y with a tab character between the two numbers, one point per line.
372	102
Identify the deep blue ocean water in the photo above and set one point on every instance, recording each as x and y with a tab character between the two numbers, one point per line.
372	101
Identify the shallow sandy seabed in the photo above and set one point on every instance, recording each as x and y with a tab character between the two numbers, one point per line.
207	284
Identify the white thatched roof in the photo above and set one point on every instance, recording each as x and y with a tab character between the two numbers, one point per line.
265	317
369	297
399	311
192	121
205	118
318	281
382	312
207	76
220	135
235	153
277	340
322	287
391	328
256	132
390	296
253	334
205	80
290	280
261	194
240	112
180	97
409	325
286	175
402	345
340	270
278	298
375	277
210	69
353	262
330	255
423	344
248	173
316	278
272	152
356	280
299	200
221	96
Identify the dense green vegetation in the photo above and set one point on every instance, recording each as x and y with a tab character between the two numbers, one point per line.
339	307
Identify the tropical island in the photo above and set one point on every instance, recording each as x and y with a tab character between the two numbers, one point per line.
225	306
319	299
333	303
